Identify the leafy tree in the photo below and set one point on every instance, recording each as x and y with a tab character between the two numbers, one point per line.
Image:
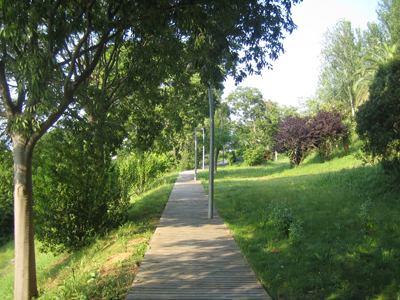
257	118
290	111
129	84
248	106
389	15
376	49
325	129
293	139
222	134
41	47
50	50
184	107
370	63
376	34
378	119
341	57
299	135
309	106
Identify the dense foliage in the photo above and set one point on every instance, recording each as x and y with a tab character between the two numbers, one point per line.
378	119
77	193
292	139
231	157
6	194
326	128
139	170
299	135
253	157
256	119
341	58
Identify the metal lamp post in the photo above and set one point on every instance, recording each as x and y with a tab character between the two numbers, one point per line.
195	154
204	150
211	164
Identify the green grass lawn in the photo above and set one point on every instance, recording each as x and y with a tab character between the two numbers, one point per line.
106	269
319	231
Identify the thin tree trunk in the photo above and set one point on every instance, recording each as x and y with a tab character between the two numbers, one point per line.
255	132
219	148
25	285
353	112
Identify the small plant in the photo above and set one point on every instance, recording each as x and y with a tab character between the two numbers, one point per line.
281	217
231	158
296	232
367	221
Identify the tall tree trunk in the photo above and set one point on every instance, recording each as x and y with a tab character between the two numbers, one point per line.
353	111
219	148
25	285
255	132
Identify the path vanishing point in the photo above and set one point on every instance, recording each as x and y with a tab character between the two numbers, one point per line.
191	256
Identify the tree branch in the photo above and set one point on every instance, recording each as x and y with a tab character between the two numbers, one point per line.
89	70
5	92
21	99
82	52
80	44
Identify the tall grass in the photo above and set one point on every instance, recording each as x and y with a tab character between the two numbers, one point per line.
106	269
319	231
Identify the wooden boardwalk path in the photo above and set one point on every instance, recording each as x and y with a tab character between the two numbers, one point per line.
191	256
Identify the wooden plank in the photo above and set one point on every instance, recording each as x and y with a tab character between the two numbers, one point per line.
191	256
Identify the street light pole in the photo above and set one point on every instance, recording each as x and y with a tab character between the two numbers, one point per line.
195	154
211	163
204	150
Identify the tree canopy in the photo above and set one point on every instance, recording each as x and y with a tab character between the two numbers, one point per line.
351	57
378	118
341	59
297	136
256	119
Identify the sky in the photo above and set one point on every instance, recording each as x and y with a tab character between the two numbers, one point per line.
295	73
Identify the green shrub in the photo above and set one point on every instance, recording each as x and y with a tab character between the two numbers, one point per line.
281	218
6	194
231	158
296	232
253	157
77	194
139	170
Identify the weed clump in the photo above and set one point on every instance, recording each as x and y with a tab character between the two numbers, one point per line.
280	219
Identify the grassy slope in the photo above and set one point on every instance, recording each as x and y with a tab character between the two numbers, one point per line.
345	236
104	270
